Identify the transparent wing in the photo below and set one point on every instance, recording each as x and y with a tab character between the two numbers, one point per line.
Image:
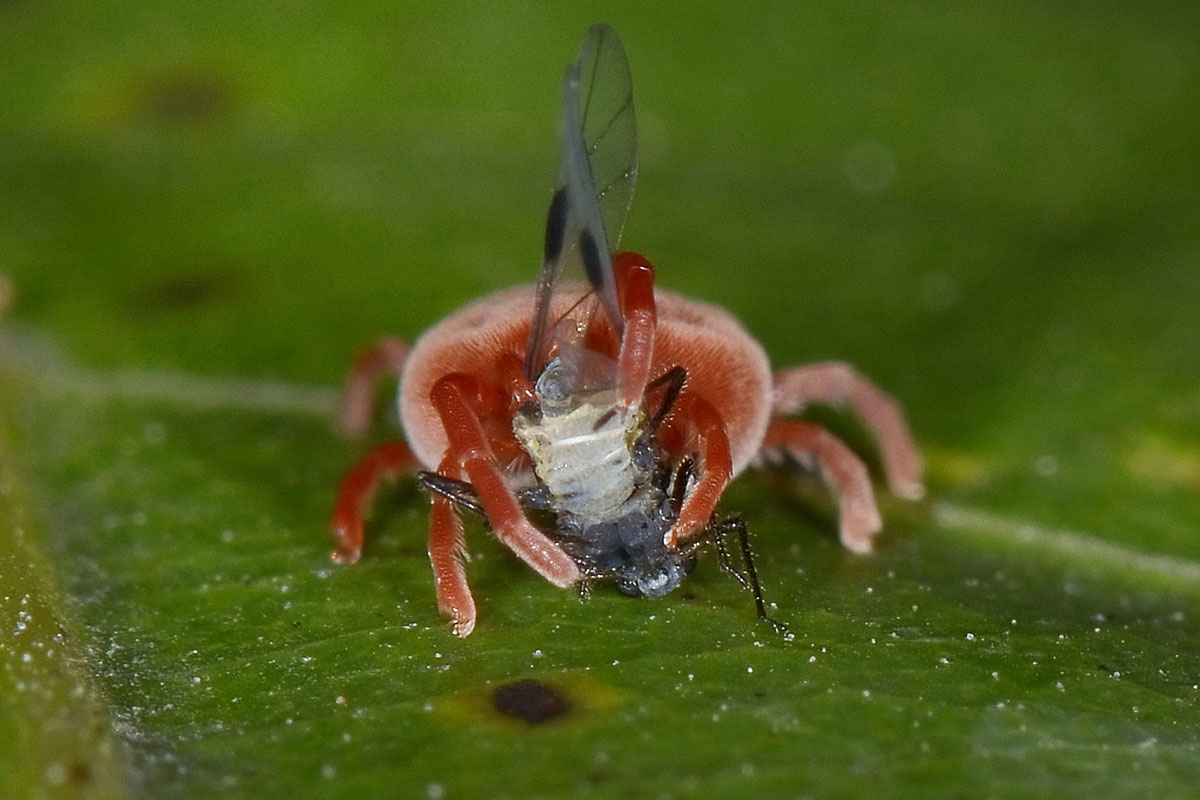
609	129
595	186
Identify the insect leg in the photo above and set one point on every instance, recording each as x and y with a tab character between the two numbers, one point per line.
844	472
385	357
463	494
737	525
715	467
460	493
835	383
673	381
470	451
679	485
635	282
357	489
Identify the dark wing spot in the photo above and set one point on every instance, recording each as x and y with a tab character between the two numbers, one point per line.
589	251
556	226
530	701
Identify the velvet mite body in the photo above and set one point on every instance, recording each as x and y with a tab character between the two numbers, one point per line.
593	419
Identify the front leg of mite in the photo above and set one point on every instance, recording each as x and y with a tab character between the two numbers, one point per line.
635	283
470	453
812	446
695	420
447	552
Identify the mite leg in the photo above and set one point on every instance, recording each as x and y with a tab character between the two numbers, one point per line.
470	451
357	489
700	421
447	552
635	282
385	357
835	383
845	473
512	377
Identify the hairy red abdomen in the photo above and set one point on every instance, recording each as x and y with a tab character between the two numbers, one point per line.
725	365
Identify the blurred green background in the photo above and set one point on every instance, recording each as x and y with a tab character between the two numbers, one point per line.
992	211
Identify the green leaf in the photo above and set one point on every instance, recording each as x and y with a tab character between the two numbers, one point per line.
204	212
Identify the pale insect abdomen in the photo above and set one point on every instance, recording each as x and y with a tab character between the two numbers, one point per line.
583	450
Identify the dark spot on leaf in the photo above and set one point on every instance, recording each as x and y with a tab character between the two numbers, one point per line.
187	291
79	773
529	700
189	97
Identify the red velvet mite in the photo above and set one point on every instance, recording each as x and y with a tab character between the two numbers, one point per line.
592	419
